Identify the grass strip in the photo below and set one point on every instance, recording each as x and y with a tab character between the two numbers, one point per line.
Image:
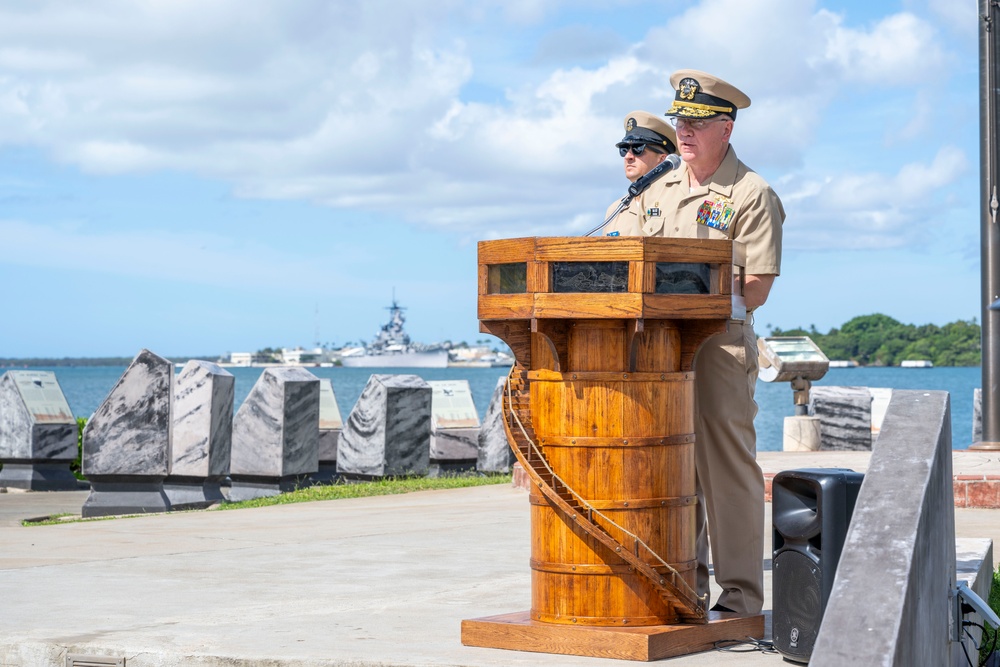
336	491
381	487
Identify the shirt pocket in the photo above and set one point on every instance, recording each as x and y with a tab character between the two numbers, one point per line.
653	226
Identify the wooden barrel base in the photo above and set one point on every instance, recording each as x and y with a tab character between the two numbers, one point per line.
517	632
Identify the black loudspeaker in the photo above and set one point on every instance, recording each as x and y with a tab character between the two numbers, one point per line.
810	512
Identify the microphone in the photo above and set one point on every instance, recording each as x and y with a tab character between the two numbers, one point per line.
673	161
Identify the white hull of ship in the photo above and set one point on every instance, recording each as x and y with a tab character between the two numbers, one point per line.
435	359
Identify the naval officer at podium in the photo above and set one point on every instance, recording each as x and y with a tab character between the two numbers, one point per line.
714	195
647	142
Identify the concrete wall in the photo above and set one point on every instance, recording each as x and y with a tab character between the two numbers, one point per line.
890	603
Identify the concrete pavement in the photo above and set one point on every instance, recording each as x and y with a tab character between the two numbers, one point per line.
382	581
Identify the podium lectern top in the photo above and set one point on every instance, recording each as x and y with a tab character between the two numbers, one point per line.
539	286
610	278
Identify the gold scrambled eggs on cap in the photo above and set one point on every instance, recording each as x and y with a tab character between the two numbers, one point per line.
702	95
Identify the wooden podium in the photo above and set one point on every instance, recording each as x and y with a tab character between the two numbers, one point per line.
599	411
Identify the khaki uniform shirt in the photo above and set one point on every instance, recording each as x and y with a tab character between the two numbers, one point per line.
735	203
626	223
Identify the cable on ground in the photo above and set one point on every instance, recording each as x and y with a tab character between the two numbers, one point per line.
747	645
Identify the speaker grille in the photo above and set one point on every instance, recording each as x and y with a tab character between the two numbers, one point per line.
797	603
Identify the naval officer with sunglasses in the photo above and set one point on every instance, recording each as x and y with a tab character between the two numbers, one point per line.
647	142
714	195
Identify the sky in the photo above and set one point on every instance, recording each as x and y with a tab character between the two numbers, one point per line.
200	178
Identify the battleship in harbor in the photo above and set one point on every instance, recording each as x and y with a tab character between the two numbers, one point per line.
392	348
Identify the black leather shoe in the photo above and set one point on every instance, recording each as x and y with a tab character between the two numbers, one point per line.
719	607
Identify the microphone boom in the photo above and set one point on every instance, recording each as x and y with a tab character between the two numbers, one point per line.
672	162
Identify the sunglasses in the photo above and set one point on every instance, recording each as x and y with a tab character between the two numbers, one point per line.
637	149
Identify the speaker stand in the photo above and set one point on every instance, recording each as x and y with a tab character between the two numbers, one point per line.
518	632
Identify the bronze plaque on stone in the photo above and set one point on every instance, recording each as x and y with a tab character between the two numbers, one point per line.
43	397
451	405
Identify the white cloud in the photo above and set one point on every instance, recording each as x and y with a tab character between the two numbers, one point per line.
870	210
962	16
28	59
769	47
900	49
361	105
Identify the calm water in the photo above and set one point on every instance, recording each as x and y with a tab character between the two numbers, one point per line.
85	388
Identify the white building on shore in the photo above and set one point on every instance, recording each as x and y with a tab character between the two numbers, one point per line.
241	359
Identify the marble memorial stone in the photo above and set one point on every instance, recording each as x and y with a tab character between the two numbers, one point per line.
495	454
202	435
845	415
275	434
330	426
38	433
454	427
389	430
126	443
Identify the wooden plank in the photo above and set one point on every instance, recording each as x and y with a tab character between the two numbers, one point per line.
597	345
634	336
589	249
603	248
584	306
637	276
629	441
687	306
608	376
506	306
716	251
484	279
506	251
517	632
539	277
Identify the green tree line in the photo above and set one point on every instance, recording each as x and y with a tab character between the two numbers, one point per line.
14	362
879	340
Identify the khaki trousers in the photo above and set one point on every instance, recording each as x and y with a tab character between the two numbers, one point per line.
730	485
